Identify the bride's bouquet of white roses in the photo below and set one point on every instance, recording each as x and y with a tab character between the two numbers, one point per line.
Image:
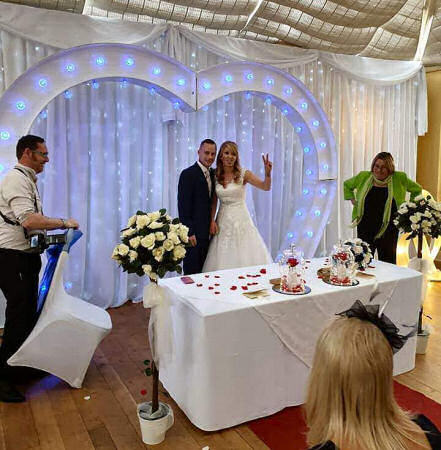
152	244
421	215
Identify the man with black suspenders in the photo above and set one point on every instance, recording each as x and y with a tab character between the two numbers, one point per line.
21	213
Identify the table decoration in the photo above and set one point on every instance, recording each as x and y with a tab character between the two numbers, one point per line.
292	271
343	266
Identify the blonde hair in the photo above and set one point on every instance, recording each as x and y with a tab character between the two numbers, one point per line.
220	171
350	398
388	161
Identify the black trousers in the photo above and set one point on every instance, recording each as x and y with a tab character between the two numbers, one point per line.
386	245
19	283
195	257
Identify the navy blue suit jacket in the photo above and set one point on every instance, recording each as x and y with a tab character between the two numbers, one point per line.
194	201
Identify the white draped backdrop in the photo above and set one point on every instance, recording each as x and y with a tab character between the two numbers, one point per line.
116	147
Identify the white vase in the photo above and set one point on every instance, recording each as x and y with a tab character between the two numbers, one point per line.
422	341
153	431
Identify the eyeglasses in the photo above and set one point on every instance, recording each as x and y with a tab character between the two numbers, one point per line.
44	155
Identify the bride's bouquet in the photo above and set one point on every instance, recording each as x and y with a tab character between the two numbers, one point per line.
152	244
423	215
361	251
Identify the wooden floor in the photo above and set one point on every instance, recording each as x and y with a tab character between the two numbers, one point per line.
102	415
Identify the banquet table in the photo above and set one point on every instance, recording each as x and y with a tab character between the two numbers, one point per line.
234	359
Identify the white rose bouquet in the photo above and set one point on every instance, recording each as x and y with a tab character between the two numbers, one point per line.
361	251
152	244
423	215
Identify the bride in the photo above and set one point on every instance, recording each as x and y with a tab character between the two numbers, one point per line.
236	241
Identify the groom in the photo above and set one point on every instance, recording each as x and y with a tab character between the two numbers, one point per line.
196	186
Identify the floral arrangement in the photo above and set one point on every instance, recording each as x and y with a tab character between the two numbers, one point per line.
421	215
361	251
152	244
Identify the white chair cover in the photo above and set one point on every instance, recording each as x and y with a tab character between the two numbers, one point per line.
66	334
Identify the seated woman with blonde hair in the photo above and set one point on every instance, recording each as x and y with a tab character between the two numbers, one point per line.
350	402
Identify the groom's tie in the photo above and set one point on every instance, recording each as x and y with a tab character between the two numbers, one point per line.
208	178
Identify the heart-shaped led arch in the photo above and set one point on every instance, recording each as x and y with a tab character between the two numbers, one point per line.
189	91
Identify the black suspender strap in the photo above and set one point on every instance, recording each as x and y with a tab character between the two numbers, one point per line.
9	221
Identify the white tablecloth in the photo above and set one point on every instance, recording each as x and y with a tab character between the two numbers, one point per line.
236	359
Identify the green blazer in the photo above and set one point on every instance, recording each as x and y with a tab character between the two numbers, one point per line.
400	182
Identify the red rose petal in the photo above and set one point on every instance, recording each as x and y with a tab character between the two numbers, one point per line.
217	292
258	275
262	270
143	392
199	285
207	276
216	284
245	288
233	288
241	277
210	287
217	276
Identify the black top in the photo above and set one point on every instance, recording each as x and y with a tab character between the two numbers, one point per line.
432	433
374	204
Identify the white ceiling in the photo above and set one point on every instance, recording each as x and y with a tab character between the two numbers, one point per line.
389	29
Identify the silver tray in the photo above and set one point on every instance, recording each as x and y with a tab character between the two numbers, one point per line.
354	283
276	288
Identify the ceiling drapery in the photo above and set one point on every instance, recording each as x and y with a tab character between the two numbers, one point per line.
373	28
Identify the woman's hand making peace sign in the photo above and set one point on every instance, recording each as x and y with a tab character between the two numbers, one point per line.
267	164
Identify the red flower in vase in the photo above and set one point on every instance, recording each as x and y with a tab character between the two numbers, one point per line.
342	256
292	262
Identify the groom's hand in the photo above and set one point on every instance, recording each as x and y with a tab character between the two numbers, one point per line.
213	228
192	240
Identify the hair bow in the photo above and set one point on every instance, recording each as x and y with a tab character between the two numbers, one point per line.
374	314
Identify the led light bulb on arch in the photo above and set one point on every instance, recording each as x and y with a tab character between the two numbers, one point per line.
70	67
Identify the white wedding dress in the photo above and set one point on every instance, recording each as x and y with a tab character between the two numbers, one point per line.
238	242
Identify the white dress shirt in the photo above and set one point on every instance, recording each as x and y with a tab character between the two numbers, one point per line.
18	199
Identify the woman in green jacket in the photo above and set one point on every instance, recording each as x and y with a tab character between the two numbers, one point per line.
376	195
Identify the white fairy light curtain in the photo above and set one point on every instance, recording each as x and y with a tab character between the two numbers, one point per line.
116	147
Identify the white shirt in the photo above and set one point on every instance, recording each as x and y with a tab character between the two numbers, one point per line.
19	198
206	172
